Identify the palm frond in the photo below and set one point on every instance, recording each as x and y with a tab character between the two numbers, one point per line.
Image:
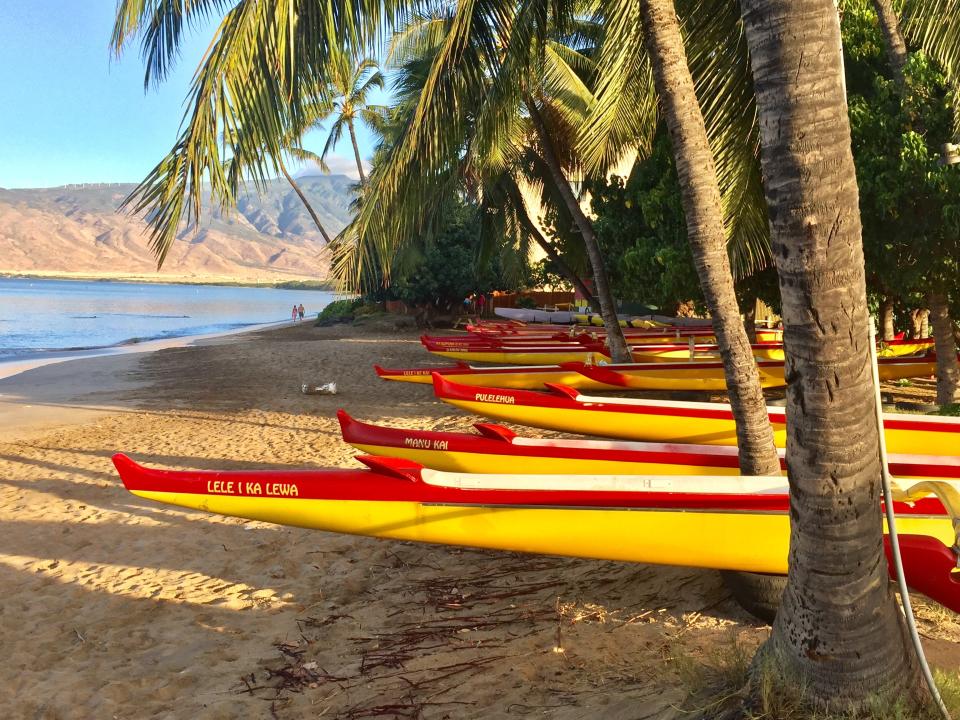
934	26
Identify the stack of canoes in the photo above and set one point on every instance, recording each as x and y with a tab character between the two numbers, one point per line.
666	490
705	376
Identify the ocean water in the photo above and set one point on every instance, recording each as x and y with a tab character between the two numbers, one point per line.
40	317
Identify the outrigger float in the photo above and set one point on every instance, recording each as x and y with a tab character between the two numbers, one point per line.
732	523
692	375
568	410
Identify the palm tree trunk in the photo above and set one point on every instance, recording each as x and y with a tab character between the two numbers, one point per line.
948	371
617	344
356	152
707	235
886	319
838	632
558	261
893	41
303	199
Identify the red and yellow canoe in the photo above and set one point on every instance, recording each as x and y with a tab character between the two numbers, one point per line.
555	352
582	346
497	449
568	410
735	523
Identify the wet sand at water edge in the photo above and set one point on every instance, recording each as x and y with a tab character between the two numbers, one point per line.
115	607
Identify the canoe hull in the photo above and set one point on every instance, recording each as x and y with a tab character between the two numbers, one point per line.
748	541
713	522
669	422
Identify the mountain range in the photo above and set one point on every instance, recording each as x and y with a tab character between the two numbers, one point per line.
76	230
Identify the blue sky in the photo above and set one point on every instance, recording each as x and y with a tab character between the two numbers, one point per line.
71	113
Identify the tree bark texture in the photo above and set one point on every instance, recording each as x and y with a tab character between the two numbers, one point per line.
619	350
306	203
750	321
558	260
703	210
919	323
948	371
356	152
893	41
888	331
839	631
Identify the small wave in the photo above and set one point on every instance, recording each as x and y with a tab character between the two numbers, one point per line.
148	315
83	317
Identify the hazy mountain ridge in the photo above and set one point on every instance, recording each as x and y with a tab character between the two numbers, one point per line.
76	229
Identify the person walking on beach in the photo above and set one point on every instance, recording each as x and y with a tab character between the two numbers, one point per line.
293	315
300	311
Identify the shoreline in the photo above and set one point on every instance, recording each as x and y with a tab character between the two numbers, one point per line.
15	366
277	282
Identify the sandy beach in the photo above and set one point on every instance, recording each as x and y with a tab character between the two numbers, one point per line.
114	607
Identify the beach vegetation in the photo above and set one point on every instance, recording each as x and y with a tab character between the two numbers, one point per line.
338	311
716	686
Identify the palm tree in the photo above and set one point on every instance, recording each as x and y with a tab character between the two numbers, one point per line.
838	630
499	121
351	82
703	205
291	145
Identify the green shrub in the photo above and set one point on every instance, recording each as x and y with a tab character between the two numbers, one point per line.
339	311
952	410
527	303
364	309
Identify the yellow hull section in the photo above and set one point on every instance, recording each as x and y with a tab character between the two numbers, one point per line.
694	378
500	357
748	541
713	379
646	353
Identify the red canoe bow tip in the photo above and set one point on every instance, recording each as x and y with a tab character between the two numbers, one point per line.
394	467
602	374
345	419
379	370
128	469
495	432
562	390
928	566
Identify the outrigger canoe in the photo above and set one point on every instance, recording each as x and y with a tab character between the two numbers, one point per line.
735	523
567	410
554	352
497	449
691	375
582	345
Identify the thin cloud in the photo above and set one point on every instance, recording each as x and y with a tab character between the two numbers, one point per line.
338	164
